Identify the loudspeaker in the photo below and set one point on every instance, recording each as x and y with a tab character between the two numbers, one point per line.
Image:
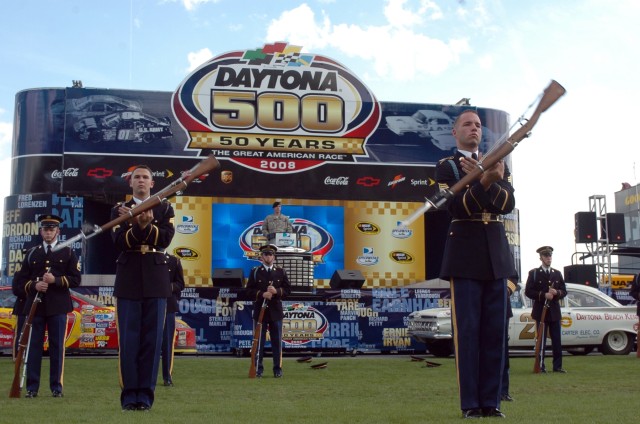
346	279
586	229
615	228
227	277
581	274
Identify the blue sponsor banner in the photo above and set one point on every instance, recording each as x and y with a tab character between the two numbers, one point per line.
333	320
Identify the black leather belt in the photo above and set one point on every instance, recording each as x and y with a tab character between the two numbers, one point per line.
145	248
482	217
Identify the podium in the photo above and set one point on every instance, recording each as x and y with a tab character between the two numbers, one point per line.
285	240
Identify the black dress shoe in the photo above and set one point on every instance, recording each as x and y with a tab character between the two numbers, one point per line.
56	393
543	371
258	375
31	394
277	374
168	383
143	407
492	413
472	413
560	370
507	397
130	407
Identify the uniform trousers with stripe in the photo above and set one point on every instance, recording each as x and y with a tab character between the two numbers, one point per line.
56	326
168	342
140	327
478	315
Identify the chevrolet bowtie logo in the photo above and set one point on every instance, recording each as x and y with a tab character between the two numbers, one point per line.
368	181
100	173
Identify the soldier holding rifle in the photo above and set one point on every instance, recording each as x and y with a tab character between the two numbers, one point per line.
477	261
142	287
48	274
269	282
545	286
173	307
635	293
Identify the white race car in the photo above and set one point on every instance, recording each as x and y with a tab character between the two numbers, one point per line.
590	319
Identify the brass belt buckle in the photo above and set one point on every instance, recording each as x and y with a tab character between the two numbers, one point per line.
486	217
145	248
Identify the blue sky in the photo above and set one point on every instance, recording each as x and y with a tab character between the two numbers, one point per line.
499	53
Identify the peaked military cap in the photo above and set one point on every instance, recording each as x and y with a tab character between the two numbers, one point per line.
49	221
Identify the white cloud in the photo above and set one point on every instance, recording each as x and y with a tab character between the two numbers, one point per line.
299	27
400	16
6	134
395	49
192	4
198	58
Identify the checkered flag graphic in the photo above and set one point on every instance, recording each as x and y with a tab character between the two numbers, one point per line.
289	59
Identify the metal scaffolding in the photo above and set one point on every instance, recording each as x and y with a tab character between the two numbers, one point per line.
601	252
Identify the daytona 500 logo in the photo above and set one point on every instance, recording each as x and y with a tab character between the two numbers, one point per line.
276	109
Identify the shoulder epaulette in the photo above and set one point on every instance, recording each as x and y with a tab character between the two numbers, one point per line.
445	159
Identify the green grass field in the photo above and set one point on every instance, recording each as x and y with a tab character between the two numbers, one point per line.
364	389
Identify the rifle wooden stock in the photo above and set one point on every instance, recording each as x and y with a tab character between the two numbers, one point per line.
539	353
180	184
255	346
550	95
25	338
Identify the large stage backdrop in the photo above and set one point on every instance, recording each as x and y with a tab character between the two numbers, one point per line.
285	125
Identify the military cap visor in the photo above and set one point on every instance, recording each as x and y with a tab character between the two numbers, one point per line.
545	250
49	221
319	366
268	248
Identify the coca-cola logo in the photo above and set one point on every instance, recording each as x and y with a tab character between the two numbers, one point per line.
57	174
336	181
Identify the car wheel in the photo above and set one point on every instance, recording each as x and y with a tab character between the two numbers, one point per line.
441	349
616	343
581	351
147	138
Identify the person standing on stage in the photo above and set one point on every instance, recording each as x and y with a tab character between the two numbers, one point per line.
141	287
168	336
48	274
477	261
545	286
276	223
269	283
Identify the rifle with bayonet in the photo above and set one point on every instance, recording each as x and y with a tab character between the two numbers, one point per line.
24	342
175	187
500	150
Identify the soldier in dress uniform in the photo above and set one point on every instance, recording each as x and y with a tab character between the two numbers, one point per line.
169	334
477	261
268	283
545	286
512	286
276	223
635	293
49	275
141	287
